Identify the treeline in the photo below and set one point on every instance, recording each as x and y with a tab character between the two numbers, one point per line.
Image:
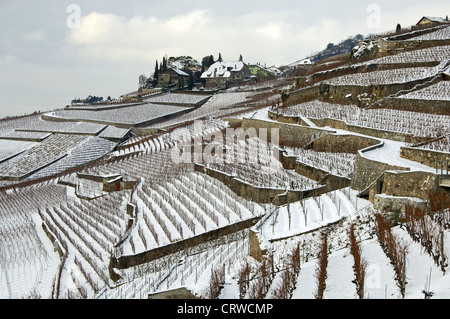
332	49
91	100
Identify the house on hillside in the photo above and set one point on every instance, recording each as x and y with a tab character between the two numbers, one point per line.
432	20
297	68
173	76
226	74
301	63
261	73
275	70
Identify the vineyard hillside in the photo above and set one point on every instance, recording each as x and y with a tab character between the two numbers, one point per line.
331	185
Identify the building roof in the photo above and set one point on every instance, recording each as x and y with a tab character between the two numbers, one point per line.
223	69
178	71
434	19
301	62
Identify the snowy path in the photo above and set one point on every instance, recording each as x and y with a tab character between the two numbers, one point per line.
340	276
390	154
379	283
306	282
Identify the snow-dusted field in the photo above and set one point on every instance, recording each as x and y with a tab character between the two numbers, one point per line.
403	75
133	114
437	92
440	34
39	156
418	124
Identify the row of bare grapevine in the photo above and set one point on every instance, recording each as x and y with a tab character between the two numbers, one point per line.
395	248
427	232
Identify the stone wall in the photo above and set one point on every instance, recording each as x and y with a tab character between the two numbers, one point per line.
417	105
391	135
124	262
302	95
334	143
367	171
414	184
409	184
175	294
262	195
423	156
395	204
290	135
348	94
255	247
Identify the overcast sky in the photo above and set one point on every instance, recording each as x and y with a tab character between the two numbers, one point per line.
52	51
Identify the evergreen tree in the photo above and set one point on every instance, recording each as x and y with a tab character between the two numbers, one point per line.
156	75
163	68
241	59
220	58
191	81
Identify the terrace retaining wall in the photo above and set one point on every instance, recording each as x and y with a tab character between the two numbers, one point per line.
423	156
391	135
331	181
417	105
261	195
367	170
124	262
290	135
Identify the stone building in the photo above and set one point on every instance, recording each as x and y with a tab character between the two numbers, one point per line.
226	74
173	76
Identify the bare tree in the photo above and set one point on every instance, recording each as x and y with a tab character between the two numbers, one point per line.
142	81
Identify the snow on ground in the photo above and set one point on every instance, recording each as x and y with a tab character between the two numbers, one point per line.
311	214
10	148
390	153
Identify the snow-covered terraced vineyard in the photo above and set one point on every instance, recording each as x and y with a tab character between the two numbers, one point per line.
218	105
418	124
440	34
438	92
9	148
108	209
52	149
183	208
433	54
287	233
252	161
135	115
341	164
380	77
176	99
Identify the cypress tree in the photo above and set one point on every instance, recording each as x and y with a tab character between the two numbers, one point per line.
156	75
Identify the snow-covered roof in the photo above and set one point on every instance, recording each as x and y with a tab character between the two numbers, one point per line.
179	72
301	62
434	19
223	69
